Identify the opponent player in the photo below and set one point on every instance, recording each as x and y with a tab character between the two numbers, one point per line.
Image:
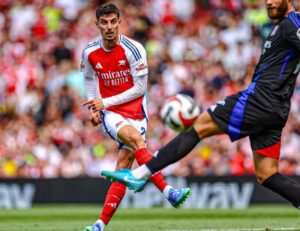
120	66
259	112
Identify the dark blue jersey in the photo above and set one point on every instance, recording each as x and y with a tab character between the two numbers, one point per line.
275	75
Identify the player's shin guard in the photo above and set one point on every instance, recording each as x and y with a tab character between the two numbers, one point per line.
176	149
114	197
285	187
143	156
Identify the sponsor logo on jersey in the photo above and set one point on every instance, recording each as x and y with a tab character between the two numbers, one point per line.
106	82
114	74
122	62
114	78
98	66
141	67
298	33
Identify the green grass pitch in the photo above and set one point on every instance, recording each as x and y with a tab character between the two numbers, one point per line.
76	217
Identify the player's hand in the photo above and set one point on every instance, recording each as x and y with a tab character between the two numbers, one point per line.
94	104
95	118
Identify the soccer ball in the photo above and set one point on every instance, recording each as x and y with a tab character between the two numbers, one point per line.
179	112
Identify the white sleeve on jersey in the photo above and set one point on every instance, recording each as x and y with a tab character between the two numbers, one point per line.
90	85
90	88
139	89
85	66
137	60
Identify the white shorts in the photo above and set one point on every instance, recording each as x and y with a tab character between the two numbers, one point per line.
113	122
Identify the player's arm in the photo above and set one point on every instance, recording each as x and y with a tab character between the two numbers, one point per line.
90	87
291	32
139	88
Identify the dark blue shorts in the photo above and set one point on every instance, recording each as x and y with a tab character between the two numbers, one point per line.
241	115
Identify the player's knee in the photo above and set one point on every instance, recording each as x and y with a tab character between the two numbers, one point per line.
136	141
261	176
205	126
134	137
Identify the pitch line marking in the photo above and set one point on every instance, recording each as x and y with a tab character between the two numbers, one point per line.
254	229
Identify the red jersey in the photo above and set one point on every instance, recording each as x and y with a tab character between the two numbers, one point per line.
115	70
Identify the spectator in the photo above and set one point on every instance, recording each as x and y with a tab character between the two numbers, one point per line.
210	46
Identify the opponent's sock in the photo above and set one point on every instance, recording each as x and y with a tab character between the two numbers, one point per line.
114	197
285	187
141	172
142	156
176	149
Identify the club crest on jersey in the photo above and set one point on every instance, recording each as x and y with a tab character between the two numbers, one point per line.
98	66
298	33
274	30
122	62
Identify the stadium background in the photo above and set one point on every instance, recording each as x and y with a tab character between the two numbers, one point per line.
204	48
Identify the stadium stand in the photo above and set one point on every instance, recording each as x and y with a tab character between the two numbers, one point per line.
204	48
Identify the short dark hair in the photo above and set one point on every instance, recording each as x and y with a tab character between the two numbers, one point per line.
107	8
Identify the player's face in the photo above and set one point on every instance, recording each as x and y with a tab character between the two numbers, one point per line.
276	8
109	26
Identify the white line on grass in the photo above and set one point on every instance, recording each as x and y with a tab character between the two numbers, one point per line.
254	229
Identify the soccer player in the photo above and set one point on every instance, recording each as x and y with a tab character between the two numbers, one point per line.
120	65
259	112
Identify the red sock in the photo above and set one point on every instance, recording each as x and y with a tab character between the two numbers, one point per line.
143	156
114	196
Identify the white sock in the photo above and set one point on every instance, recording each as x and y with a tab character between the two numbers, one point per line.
166	190
141	172
102	224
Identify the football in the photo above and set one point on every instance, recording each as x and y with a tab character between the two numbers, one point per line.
179	112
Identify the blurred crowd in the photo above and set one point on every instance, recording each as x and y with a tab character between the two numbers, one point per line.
204	48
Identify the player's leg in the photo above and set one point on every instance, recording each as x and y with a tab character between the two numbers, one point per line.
267	174
266	146
115	193
184	143
134	138
117	190
131	136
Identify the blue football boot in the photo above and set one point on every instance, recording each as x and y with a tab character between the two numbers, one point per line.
95	227
125	176
177	196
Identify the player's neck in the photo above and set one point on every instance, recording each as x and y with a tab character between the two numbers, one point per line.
111	44
290	9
